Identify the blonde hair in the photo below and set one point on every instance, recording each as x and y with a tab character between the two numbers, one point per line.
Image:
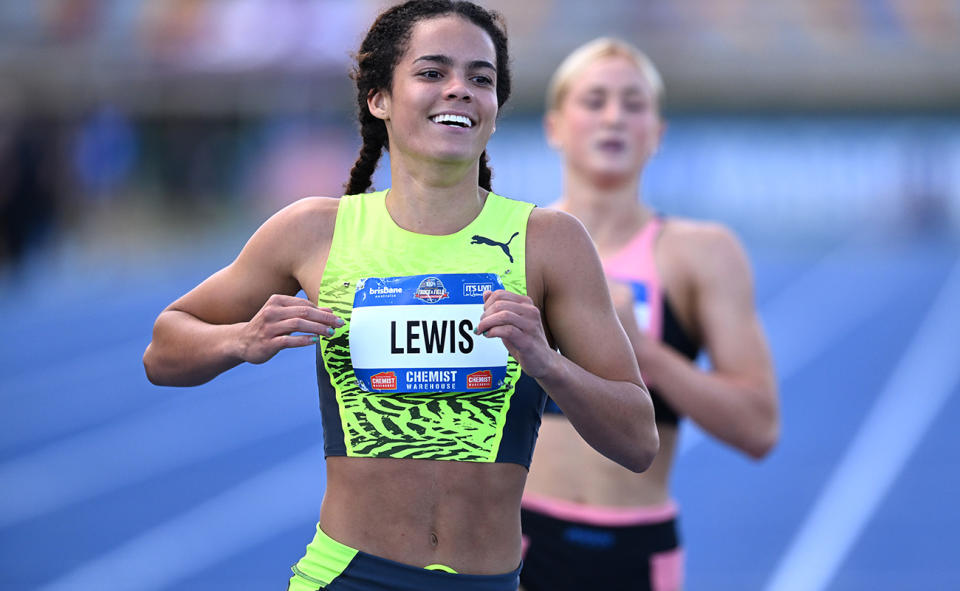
589	52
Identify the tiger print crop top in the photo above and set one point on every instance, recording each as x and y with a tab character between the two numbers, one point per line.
405	376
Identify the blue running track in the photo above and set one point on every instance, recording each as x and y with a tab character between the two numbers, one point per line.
108	482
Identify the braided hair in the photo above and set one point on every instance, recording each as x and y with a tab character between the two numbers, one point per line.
385	43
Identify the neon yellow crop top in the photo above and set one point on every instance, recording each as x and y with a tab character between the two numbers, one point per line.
405	377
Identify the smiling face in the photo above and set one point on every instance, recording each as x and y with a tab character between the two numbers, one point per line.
443	102
607	124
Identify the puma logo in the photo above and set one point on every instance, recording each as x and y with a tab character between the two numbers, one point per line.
504	246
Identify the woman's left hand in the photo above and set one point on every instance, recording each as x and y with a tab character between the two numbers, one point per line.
644	347
622	295
515	319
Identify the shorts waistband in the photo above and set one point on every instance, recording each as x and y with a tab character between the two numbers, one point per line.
600	515
328	560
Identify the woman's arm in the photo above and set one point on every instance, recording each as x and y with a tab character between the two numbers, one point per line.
736	401
595	380
246	311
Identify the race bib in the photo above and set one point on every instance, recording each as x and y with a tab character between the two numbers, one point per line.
415	334
641	305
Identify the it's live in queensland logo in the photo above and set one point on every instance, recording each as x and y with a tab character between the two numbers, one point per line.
431	290
475	290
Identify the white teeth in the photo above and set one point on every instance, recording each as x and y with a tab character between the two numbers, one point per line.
454	119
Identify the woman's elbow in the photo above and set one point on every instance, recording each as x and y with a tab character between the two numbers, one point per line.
764	441
158	372
645	441
764	431
151	367
642	455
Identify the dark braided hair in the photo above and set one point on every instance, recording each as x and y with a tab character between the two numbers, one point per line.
385	43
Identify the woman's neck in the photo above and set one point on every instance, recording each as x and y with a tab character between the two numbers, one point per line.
612	214
437	203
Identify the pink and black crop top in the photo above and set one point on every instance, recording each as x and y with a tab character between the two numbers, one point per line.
634	265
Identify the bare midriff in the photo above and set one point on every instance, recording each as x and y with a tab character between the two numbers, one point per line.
464	515
565	467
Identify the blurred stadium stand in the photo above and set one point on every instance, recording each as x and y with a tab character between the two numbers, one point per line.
182	57
786	118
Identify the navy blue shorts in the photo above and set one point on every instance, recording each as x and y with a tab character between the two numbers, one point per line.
570	547
332	566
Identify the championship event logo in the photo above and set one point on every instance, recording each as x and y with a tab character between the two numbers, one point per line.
431	290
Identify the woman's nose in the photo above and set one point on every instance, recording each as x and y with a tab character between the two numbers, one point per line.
613	112
459	90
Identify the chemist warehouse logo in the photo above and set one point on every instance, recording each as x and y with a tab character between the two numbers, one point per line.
385	380
480	380
431	290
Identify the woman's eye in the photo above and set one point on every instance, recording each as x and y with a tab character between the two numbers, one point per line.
484	80
430	74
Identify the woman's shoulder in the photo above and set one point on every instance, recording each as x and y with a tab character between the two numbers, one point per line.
308	206
298	227
706	248
557	240
698	238
549	220
553	232
307	214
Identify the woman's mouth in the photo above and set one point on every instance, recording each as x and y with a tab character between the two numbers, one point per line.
452	120
612	146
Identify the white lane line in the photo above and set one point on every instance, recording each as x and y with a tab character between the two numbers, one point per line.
835	290
283	497
918	388
188	429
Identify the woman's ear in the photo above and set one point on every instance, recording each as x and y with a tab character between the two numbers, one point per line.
378	101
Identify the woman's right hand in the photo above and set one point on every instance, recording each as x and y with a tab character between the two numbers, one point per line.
272	328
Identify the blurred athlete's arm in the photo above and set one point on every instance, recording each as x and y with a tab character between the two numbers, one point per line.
736	401
595	381
247	311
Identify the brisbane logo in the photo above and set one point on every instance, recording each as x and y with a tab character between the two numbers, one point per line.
431	290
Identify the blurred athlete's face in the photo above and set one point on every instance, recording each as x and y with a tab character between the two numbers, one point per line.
608	125
443	104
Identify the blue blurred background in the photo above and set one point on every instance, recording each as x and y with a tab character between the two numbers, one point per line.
142	142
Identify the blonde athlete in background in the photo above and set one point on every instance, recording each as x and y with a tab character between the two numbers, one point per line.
678	285
416	296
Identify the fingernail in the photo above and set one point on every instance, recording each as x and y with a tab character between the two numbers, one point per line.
330	331
484	333
314	339
340	322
